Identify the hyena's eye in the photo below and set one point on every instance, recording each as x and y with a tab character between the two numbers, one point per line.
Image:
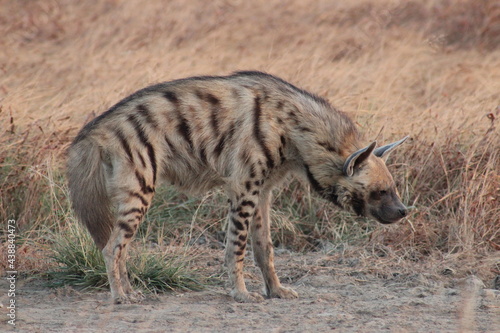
377	195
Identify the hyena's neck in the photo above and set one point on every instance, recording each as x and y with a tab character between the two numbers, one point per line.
323	138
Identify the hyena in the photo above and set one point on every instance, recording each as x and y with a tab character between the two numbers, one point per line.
245	133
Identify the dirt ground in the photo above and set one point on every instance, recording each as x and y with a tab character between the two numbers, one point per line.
335	295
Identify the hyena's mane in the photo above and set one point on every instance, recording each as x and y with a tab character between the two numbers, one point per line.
284	84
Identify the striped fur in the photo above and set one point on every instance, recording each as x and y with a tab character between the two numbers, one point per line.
244	132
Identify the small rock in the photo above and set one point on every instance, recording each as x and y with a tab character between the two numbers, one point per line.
448	271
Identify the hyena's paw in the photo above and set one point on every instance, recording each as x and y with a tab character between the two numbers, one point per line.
123	299
283	292
133	297
136	297
246	297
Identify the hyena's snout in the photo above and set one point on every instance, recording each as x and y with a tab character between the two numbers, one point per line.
389	209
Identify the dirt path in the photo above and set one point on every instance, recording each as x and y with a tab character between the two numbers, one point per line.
329	301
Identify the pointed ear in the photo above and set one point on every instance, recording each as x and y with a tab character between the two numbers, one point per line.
384	150
357	158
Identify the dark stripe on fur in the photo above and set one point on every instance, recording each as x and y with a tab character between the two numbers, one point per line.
146	114
304	129
314	183
172	98
226	137
244	214
183	126
238	224
146	189
138	129
248	203
140	197
283	140
152	159
328	147
126	227
184	129
144	140
215	103
125	145
143	162
220	146
258	133
132	210
282	155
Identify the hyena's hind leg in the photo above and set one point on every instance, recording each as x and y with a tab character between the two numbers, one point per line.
132	198
133	296
262	246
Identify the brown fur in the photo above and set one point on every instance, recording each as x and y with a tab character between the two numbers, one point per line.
245	132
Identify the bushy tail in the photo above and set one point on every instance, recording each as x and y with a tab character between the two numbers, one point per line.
88	190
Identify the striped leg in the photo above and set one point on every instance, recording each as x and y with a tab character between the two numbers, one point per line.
133	201
133	296
262	246
240	216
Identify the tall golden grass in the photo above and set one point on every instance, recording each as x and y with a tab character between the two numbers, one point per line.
430	69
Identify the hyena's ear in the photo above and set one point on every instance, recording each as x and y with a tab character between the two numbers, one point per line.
357	158
384	150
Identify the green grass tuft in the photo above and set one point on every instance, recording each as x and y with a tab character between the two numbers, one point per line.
81	264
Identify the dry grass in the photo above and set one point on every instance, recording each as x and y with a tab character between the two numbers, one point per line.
430	69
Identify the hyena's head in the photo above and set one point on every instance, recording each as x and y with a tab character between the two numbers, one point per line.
366	186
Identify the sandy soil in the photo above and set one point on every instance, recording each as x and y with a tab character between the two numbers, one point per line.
334	296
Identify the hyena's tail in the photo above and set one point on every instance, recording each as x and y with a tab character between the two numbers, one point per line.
88	189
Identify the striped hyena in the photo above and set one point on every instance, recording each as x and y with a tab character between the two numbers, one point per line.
244	132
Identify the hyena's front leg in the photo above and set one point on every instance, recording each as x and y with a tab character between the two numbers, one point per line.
262	246
240	217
